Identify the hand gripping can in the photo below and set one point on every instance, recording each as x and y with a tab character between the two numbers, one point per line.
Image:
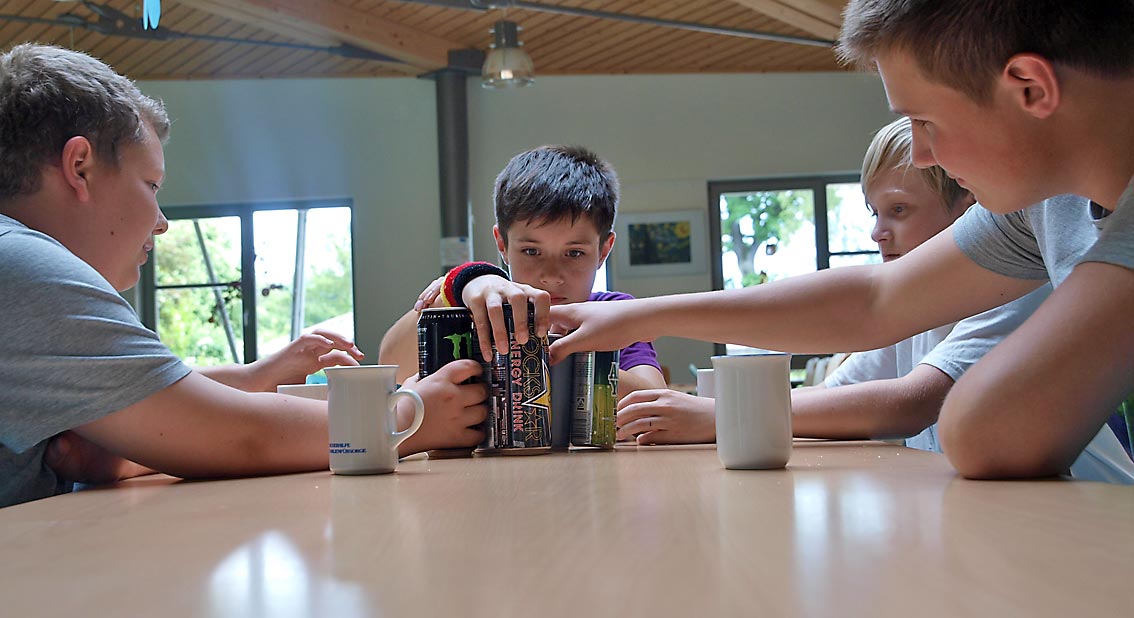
445	335
519	416
596	388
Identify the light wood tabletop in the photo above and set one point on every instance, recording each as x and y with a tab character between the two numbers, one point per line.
848	529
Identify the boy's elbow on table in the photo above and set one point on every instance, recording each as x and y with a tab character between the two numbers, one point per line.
982	442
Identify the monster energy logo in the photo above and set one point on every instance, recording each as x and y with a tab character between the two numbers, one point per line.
456	340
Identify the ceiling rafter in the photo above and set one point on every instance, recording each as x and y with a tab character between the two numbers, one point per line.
323	22
820	18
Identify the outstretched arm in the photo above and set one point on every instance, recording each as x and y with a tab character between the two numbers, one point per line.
854	308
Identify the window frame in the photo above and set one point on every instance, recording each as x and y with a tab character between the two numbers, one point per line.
245	211
817	183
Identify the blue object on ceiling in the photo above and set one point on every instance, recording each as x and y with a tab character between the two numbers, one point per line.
151	14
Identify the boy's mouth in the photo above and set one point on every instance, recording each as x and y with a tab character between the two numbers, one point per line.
558	300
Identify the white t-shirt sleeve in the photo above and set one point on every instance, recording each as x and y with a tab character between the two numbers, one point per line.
880	364
974	337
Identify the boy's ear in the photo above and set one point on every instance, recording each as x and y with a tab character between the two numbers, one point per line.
604	250
77	161
500	244
1033	84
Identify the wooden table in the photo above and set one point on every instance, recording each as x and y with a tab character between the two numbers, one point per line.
849	529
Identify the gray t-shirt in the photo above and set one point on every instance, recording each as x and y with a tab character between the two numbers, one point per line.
952	348
72	351
1048	240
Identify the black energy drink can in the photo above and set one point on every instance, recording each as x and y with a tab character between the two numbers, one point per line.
562	399
519	416
445	335
596	389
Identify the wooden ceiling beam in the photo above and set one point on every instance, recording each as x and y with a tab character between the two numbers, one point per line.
816	17
327	23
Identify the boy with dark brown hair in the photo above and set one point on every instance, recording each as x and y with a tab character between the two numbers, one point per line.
555	209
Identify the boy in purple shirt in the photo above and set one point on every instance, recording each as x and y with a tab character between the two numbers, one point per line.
555	209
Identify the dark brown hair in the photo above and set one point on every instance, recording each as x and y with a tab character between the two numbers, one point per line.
964	44
553	183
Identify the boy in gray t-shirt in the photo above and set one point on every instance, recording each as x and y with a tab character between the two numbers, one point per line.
1019	101
86	392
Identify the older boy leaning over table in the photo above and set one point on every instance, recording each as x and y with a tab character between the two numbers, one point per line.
894	391
1023	102
555	209
81	162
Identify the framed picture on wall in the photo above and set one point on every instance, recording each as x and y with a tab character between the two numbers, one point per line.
652	244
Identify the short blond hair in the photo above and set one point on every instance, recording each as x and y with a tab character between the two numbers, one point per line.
892	149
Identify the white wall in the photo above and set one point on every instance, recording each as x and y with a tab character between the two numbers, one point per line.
375	141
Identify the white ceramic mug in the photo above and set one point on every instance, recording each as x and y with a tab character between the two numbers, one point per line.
307	391
753	410
363	426
706	384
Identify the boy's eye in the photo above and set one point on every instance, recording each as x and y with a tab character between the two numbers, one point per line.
531	251
899	209
575	253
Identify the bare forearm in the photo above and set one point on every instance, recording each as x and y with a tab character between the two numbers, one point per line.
399	346
198	428
639	378
846	309
236	376
897	408
821	312
1031	405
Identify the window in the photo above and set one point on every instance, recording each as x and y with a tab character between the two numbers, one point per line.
769	229
197	299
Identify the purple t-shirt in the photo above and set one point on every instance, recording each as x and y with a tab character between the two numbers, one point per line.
641	353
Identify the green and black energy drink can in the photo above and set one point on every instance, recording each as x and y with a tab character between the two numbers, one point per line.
445	335
519	416
596	388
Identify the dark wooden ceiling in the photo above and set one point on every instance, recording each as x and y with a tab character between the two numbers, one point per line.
308	38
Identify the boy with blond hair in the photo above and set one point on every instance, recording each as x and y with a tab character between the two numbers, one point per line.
1028	104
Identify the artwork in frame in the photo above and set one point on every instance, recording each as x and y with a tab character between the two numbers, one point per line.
660	243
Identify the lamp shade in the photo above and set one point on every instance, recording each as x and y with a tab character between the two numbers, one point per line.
507	65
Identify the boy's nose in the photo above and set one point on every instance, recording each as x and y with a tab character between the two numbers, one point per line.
551	275
162	224
921	153
880	232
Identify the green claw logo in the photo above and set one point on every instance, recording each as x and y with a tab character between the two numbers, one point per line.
456	341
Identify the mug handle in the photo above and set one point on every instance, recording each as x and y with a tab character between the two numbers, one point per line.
418	414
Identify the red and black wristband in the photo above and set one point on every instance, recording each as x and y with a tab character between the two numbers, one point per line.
460	276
